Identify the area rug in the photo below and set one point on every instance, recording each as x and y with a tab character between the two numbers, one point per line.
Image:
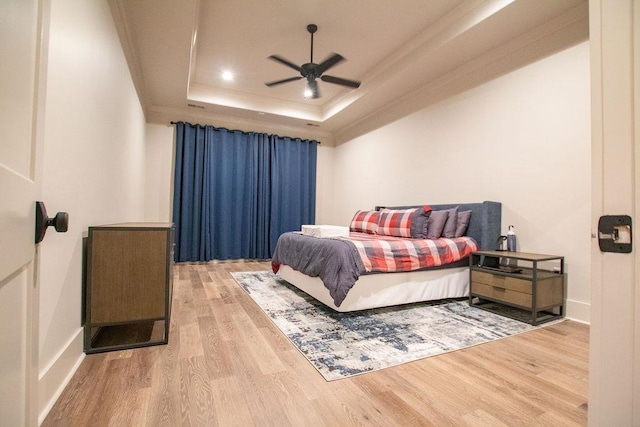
341	345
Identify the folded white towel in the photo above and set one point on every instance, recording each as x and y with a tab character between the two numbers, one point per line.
325	231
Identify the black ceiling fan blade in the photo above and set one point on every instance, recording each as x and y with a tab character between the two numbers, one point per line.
338	81
279	82
286	62
329	62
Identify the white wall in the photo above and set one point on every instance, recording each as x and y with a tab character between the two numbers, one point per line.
324	184
522	139
159	152
94	158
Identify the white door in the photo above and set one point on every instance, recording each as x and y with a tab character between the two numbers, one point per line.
21	102
614	353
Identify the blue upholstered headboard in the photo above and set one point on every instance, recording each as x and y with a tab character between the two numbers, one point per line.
486	220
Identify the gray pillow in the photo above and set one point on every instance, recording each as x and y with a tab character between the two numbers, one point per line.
449	230
463	223
435	224
419	223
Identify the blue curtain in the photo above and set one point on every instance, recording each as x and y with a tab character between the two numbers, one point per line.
236	192
293	180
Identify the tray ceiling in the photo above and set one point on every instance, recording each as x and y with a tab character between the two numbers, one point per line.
408	54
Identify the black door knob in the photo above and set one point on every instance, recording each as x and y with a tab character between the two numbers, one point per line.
60	222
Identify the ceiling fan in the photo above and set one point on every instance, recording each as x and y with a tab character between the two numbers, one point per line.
311	71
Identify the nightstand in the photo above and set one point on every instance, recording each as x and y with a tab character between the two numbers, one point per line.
535	295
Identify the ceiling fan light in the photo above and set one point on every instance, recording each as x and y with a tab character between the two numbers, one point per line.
311	91
308	93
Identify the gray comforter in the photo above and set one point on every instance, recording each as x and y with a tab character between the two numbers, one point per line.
335	261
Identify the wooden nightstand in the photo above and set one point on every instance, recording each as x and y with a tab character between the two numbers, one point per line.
537	293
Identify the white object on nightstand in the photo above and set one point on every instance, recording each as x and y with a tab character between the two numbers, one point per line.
325	231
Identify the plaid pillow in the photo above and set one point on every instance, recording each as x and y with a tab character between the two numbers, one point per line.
365	222
395	222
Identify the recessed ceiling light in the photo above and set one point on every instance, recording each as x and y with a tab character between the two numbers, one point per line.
227	75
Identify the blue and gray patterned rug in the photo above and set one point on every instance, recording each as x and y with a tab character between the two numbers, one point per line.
340	345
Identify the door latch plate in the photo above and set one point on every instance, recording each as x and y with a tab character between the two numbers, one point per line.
614	233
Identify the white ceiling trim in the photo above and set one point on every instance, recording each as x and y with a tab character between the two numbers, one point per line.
160	114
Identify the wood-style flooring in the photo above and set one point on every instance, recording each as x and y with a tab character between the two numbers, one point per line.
226	364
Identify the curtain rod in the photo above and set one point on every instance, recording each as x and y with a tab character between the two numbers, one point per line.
244	132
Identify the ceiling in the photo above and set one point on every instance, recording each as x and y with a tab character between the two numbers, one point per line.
408	54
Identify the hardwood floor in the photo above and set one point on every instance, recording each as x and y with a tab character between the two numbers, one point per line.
226	364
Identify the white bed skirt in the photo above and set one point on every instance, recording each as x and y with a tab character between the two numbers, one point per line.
386	289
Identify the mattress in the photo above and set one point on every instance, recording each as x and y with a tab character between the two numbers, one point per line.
386	289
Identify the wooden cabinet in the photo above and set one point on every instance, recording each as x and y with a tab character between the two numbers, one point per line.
538	292
128	286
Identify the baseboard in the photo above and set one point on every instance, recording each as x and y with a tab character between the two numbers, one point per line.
55	377
578	311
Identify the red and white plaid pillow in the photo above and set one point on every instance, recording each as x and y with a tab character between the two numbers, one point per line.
395	222
365	222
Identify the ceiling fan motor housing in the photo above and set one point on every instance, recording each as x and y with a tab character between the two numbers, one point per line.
309	70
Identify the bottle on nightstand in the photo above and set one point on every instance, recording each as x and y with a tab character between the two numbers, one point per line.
511	245
511	239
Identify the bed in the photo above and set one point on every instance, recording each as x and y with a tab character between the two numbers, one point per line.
381	289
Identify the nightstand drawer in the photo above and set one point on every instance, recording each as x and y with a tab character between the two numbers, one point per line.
504	282
502	294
